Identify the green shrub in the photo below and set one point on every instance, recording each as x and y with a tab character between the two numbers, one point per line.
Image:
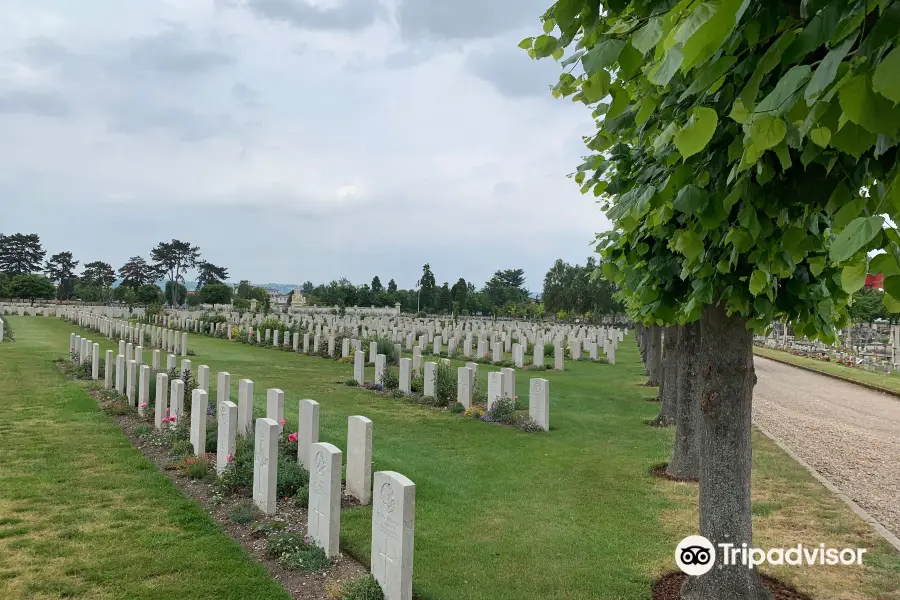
195	467
391	379
548	349
182	448
397	394
267	529
291	477
310	558
444	385
457	408
502	411
283	543
242	513
212	434
301	497
417	384
142	430
238	475
364	588
118	407
351	382
386	347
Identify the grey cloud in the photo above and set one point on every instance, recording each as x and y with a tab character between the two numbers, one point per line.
349	15
173	51
42	104
512	73
186	124
468	18
245	95
45	51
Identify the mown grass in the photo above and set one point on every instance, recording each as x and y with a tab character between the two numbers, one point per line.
83	514
569	514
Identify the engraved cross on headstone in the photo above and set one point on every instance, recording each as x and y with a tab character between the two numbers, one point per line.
386	562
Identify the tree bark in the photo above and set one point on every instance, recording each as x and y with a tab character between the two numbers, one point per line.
726	397
668	384
685	462
654	355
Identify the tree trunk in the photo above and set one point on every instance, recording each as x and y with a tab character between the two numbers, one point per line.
654	355
668	381
685	463
726	397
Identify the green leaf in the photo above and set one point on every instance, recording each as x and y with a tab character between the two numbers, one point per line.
890	303
820	136
696	134
857	234
664	137
853	276
630	60
648	35
767	131
827	71
849	211
886	80
526	43
819	29
759	281
787	90
648	105
709	75
545	45
690	199
816	264
558	53
864	107
663	72
884	264
784	156
738	112
602	55
853	139
765	65
892	285
706	28
549	24
689	244
596	87
619	103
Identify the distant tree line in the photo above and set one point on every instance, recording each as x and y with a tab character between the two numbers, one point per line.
25	274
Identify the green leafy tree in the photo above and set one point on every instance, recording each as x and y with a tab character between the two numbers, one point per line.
175	293
60	269
4	286
426	288
136	272
392	287
21	254
175	258
98	273
376	285
244	289
210	273
149	293
444	299
31	287
307	288
733	140
240	304
459	294
506	287
867	306
215	293
261	295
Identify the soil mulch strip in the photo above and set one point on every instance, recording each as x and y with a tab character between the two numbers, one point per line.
660	471
668	587
301	585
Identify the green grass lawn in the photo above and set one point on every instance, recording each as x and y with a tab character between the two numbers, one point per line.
82	513
888	382
502	514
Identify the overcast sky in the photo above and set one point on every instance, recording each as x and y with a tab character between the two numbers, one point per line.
292	140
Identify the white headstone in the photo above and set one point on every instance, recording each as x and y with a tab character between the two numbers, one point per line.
176	399
509	383
405	374
539	402
495	388
226	434
199	402
275	406
265	465
359	458
245	406
162	390
464	383
380	365
131	382
324	511
95	361
203	378
223	388
307	430
108	370
430	379
359	367
144	389
393	528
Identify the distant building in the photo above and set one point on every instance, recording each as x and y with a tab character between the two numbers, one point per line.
875	281
277	298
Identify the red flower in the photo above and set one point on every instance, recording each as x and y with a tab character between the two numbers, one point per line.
292	437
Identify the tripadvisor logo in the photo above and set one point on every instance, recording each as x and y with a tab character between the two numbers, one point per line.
696	555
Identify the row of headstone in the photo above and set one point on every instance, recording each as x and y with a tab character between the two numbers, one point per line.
393	515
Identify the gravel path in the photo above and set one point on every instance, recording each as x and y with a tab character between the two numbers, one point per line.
849	434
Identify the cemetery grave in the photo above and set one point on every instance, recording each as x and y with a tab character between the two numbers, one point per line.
457	464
